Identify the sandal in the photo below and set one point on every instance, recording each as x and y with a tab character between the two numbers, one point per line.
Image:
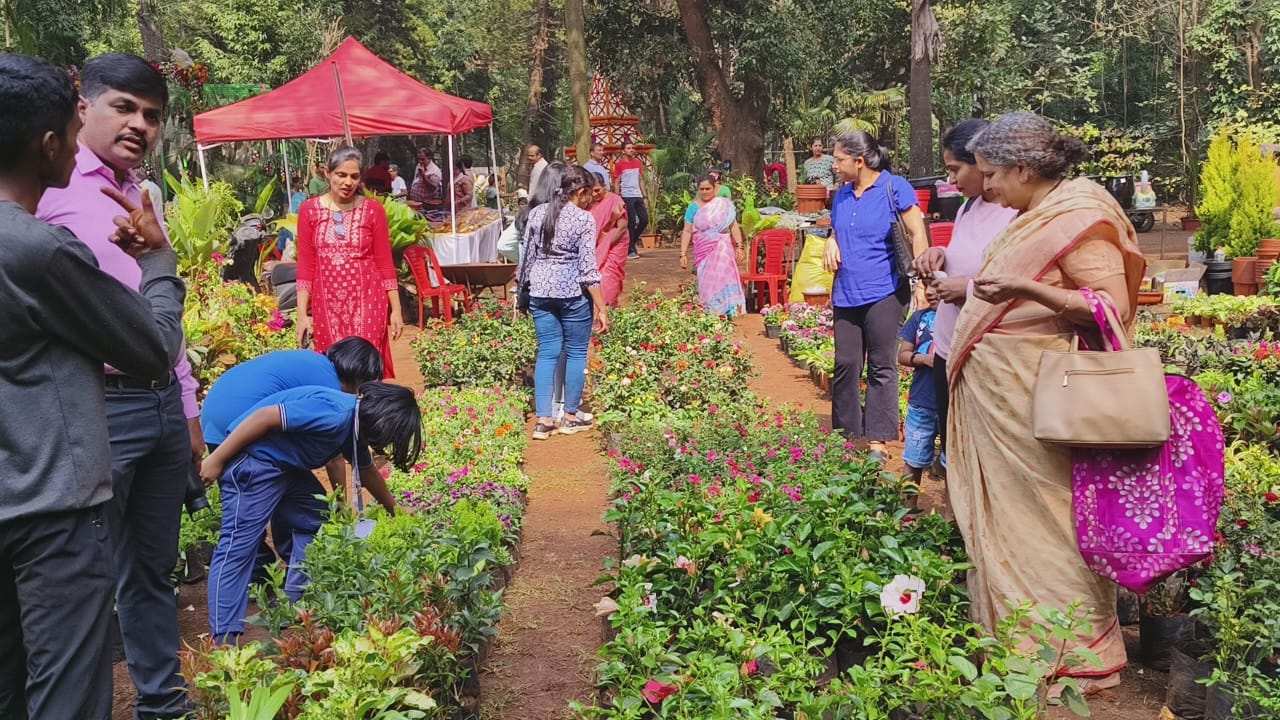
542	431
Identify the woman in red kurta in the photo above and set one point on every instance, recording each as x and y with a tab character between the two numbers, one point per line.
346	278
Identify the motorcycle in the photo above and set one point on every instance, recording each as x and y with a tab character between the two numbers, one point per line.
245	249
1121	188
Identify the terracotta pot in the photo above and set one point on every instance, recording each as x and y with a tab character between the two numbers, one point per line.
1150	298
1260	269
1271	245
810	198
1190	224
1241	289
817	299
650	240
1242	269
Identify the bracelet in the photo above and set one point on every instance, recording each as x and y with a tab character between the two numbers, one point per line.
1066	305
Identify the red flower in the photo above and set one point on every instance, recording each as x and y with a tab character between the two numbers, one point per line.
1242	523
749	668
655	692
1271	497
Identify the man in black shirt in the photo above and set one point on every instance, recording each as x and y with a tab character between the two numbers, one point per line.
61	318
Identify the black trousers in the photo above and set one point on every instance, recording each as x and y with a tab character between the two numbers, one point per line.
637	221
150	459
867	335
941	390
56	586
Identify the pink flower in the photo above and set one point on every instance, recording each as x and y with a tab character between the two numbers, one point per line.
218	258
655	692
687	565
1271	497
749	668
1224	398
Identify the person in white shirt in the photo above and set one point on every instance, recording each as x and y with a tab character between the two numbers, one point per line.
399	188
533	154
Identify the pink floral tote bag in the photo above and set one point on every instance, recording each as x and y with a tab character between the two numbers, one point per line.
1144	514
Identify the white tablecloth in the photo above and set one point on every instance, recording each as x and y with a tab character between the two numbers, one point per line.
480	246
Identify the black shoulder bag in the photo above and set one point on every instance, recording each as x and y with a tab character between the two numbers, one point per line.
899	240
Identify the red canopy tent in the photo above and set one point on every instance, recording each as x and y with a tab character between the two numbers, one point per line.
377	98
352	93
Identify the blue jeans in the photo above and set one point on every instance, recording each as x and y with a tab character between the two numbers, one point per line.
920	434
254	493
560	324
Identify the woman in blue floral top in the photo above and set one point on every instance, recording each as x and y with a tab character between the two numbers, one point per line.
558	270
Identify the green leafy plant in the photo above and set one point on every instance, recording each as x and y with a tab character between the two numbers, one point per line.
1256	199
1218	193
200	220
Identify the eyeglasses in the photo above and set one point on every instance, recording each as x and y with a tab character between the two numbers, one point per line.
339	230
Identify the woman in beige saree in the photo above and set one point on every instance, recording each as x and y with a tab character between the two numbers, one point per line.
1011	493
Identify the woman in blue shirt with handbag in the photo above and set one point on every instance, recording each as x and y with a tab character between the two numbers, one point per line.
869	296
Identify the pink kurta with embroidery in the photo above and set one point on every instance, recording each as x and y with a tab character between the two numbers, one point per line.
344	261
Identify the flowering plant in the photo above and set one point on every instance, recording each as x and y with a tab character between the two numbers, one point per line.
228	323
488	347
774	314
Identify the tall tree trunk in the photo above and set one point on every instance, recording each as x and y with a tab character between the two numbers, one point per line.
533	103
152	39
575	35
924	49
738	121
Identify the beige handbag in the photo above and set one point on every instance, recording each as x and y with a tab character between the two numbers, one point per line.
1107	400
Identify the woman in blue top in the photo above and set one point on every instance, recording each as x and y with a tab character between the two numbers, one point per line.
868	298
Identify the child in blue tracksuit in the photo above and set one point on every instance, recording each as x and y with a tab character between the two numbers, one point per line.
920	429
345	366
264	465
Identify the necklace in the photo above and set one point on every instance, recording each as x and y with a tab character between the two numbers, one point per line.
335	206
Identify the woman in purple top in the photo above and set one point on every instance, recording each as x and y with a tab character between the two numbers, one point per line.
977	224
868	298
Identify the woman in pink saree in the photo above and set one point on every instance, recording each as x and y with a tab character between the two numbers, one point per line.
1011	493
610	214
710	227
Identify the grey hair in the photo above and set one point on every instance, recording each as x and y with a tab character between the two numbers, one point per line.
1026	139
343	154
860	143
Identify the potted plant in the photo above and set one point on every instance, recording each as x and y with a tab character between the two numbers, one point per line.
773	316
1218	194
1162	618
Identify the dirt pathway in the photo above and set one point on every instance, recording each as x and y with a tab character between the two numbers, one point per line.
544	656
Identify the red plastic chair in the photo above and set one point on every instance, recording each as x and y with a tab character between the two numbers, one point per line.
923	197
940	233
773	276
424	264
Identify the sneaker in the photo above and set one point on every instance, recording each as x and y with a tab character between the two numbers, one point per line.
633	256
542	431
574	424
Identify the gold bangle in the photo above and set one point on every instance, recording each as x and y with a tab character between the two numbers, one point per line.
1066	305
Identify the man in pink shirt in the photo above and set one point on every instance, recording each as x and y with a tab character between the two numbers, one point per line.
154	423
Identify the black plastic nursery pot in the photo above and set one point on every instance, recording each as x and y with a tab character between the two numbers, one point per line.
1221	703
1157	636
1185	695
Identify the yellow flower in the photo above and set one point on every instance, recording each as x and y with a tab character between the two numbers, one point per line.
760	517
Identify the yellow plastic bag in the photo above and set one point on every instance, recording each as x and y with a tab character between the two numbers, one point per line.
809	274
